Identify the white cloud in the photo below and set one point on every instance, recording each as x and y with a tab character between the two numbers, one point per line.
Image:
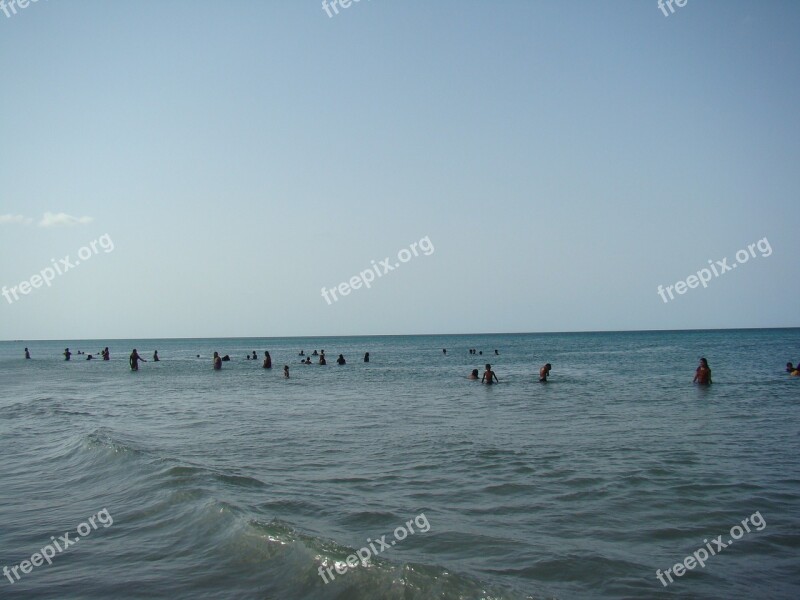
6	219
62	220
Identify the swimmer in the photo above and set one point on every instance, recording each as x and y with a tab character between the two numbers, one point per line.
134	359
106	354
496	352
308	360
226	358
155	356
89	357
302	353
254	355
286	371
267	361
544	372
474	374
27	354
444	351
322	360
217	361
341	360
67	354
703	373
315	353
488	375
366	357
789	367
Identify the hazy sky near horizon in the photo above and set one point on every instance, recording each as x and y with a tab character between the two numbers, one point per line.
564	159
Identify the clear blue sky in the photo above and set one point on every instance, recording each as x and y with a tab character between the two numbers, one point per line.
565	158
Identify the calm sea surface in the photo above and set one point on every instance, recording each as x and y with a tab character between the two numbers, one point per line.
242	484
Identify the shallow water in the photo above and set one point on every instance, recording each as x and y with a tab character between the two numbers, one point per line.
241	484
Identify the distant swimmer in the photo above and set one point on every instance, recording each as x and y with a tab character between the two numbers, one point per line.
286	371
322	360
134	360
474	374
89	357
544	372
267	361
67	354
496	352
789	367
366	357
341	360
481	352
488	375
315	353
226	358
703	373
155	356
217	361
308	360
255	356
106	354
302	353
247	356
444	351
27	354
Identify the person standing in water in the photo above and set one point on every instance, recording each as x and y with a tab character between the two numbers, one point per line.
286	371
267	361
488	375
341	360
27	354
322	360
106	354
703	373
155	356
544	372
217	362
366	357
474	374
67	354
134	360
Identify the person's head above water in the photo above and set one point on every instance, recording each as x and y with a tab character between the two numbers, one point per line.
704	362
488	367
475	372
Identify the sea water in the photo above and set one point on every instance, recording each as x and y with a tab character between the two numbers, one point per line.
243	484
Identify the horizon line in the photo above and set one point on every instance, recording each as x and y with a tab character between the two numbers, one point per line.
408	334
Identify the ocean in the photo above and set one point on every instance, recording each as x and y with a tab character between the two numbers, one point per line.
179	481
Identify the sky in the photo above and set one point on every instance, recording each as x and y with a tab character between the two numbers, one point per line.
557	161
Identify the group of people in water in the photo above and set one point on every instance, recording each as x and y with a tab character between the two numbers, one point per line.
702	374
489	377
105	354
